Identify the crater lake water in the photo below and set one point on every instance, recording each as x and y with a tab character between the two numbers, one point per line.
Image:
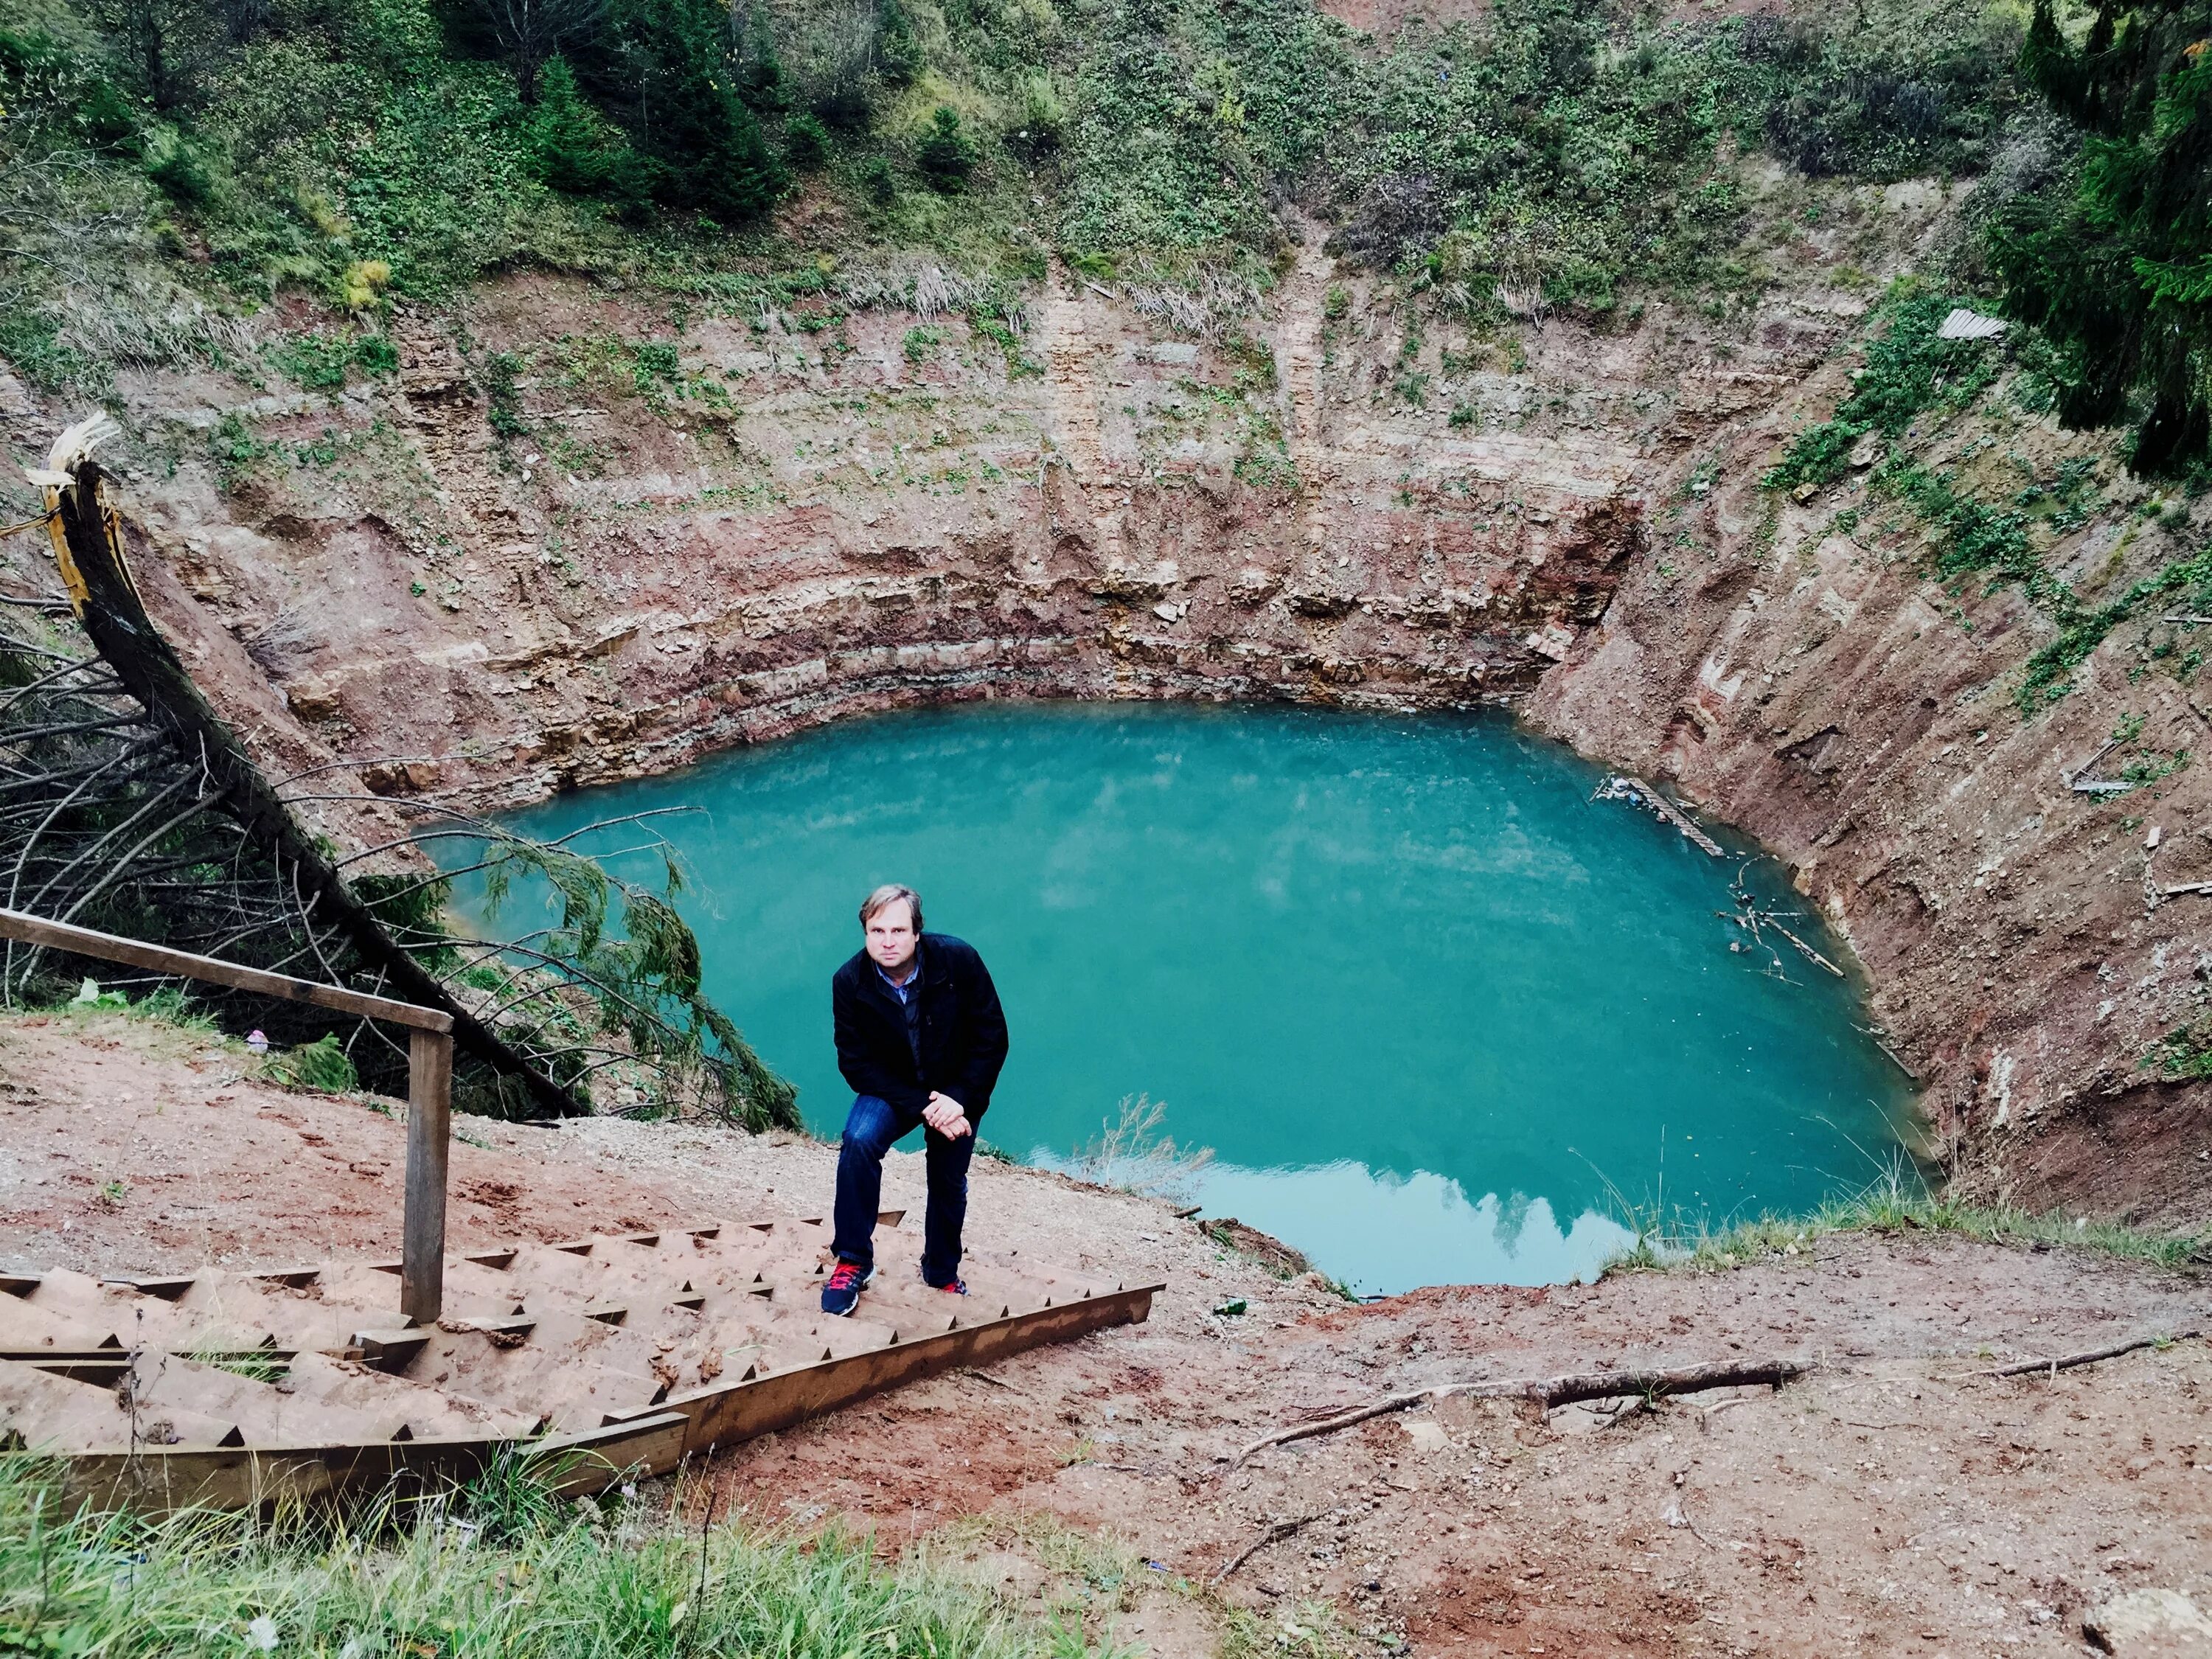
1440	1016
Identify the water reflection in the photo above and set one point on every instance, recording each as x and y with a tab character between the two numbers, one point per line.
1382	1233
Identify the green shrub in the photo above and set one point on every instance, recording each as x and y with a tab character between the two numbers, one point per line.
322	1063
576	150
1901	96
877	182
46	80
946	156
178	169
2094	240
1041	121
502	398
898	54
806	142
319	362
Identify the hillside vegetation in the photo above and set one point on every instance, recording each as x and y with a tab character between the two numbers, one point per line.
172	165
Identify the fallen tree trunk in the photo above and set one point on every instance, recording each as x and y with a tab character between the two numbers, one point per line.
1550	1392
114	618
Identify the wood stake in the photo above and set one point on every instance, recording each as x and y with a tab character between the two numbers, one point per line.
429	1124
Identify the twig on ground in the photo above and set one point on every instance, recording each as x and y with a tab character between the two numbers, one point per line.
2089	1356
1676	1515
996	1382
1552	1392
1275	1533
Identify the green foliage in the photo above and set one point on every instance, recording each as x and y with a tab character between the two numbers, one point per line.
176	167
486	1571
579	151
898	55
806	142
2082	630
322	1063
618	963
1555	150
46	84
921	343
661	67
2108	246
502	398
1909	370
1040	123
2184	1053
319	362
1549	146
1897	95
946	156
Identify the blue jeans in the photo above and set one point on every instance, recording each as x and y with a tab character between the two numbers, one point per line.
870	1129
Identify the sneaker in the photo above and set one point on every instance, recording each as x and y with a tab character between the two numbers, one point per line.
842	1293
951	1287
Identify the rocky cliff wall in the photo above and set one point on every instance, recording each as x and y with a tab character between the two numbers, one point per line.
588	534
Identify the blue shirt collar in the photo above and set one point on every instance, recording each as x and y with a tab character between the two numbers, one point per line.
913	982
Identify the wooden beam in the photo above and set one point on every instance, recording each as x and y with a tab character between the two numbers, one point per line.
429	1124
108	947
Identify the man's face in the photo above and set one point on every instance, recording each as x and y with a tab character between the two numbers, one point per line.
890	937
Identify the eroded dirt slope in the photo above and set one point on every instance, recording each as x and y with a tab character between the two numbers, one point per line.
1890	1502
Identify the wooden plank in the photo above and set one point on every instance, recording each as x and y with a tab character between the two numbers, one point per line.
108	947
724	1412
429	1126
160	1478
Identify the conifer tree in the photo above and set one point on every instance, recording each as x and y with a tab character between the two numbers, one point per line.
2112	259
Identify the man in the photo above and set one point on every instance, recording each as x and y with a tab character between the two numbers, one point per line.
920	1037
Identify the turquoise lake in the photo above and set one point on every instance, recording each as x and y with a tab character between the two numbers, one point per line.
1438	1014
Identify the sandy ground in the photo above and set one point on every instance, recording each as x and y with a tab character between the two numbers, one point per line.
1890	1502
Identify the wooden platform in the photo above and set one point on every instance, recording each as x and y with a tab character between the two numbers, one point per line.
623	1351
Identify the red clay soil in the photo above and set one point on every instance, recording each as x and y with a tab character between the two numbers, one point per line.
1890	1502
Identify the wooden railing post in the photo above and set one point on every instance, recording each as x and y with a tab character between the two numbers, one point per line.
429	1076
430	1125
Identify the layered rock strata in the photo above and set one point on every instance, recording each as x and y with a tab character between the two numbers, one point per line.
706	530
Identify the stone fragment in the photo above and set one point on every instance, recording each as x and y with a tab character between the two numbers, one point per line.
1553	642
314	698
2149	1623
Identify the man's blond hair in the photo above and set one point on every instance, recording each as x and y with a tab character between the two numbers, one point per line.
890	893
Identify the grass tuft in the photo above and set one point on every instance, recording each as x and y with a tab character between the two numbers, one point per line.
1896	1201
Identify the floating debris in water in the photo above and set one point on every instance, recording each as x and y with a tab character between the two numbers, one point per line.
1759	921
1619	786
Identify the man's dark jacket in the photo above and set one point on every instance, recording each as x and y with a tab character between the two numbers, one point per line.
962	1036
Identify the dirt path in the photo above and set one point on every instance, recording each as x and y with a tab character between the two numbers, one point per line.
1888	1503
